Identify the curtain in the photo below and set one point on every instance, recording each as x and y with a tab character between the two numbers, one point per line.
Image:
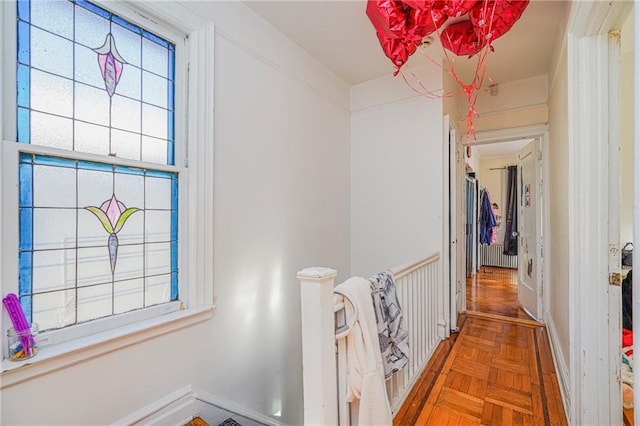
511	213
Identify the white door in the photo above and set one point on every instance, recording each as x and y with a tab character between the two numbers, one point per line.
454	219
530	229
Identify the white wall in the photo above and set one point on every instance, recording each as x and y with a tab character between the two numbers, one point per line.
281	204
557	249
626	135
517	104
396	173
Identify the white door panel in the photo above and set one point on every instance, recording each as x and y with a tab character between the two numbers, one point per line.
529	230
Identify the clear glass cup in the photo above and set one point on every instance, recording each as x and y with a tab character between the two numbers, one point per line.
22	345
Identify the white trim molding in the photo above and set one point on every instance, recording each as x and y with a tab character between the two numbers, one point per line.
502	135
182	405
594	391
562	371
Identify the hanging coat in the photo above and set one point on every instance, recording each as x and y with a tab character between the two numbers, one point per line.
487	219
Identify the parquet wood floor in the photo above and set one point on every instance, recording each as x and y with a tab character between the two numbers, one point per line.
492	372
498	370
494	291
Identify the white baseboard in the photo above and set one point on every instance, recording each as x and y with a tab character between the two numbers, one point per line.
177	408
562	371
182	405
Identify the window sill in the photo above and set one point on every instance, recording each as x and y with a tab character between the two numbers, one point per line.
54	357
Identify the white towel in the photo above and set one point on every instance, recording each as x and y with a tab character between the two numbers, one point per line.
364	363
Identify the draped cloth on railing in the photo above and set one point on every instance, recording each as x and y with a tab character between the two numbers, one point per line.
364	364
392	333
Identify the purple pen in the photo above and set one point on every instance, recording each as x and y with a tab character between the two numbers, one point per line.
20	323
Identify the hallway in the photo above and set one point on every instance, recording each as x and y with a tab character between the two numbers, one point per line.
498	370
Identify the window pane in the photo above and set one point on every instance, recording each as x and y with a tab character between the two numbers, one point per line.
126	144
130	188
158	259
130	83
93	264
154	57
129	44
86	70
154	121
90	28
54	186
158	226
54	270
51	53
91	138
158	290
53	15
94	302
158	193
54	310
154	89
91	105
49	130
50	93
133	233
54	228
129	295
154	150
130	261
125	114
94	184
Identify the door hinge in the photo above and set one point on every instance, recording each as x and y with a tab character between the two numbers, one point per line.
614	279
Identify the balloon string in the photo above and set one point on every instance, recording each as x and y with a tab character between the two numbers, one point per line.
473	89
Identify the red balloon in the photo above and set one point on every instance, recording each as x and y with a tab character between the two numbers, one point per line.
493	18
423	22
421	4
455	8
461	39
390	20
398	50
388	17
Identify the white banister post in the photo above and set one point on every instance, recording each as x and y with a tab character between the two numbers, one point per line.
318	346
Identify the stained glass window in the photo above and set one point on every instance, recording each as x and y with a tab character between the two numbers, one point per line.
98	237
89	81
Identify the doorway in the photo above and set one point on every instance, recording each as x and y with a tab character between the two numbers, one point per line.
491	155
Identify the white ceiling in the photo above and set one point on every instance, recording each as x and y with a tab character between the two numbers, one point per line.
340	36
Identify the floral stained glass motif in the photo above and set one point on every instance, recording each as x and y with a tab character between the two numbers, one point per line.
112	214
111	63
82	67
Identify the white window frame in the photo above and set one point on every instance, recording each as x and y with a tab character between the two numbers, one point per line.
194	39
